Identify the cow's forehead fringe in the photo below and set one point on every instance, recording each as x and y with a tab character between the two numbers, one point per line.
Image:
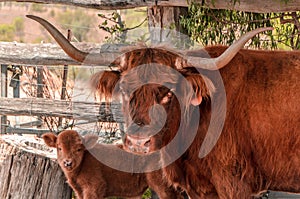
140	54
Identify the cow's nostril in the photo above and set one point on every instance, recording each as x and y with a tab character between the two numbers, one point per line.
68	163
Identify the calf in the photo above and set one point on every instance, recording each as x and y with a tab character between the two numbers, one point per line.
91	179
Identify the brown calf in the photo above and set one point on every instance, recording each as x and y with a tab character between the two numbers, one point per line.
91	179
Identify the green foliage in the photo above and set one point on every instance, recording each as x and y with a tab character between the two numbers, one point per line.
7	32
210	27
116	26
18	24
38	40
52	13
35	7
147	194
287	30
77	21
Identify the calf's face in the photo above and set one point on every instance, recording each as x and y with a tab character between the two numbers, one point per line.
70	147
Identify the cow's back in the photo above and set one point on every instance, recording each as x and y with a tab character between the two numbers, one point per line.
263	92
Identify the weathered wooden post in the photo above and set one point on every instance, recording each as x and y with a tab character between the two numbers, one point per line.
15	80
40	88
3	94
28	171
15	84
64	81
162	20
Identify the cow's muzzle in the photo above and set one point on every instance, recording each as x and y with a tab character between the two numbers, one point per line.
68	164
137	144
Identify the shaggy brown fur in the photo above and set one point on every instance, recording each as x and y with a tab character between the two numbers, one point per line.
91	179
259	147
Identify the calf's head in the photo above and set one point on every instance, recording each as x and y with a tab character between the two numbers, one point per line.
70	147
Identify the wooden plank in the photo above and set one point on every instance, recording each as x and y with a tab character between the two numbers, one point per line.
3	80
15	130
30	124
107	4
51	54
241	5
48	54
59	108
28	172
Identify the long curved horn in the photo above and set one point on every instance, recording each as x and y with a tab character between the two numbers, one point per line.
227	56
72	51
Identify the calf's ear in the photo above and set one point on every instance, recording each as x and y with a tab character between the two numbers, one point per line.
89	141
50	139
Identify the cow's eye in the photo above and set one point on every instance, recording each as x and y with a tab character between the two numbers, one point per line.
140	123
79	149
59	149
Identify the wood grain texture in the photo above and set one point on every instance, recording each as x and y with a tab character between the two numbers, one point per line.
49	54
26	172
241	5
61	108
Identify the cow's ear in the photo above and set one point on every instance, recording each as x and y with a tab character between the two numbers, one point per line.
203	88
49	139
89	141
104	83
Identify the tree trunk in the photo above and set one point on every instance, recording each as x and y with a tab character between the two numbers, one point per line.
164	26
26	173
167	17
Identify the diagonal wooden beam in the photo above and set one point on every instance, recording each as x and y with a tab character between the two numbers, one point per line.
258	6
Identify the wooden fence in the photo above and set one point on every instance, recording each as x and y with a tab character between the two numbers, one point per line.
12	55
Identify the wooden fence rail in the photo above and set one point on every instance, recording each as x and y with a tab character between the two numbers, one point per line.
48	54
59	108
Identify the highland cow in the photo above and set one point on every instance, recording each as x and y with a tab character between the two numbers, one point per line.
221	139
